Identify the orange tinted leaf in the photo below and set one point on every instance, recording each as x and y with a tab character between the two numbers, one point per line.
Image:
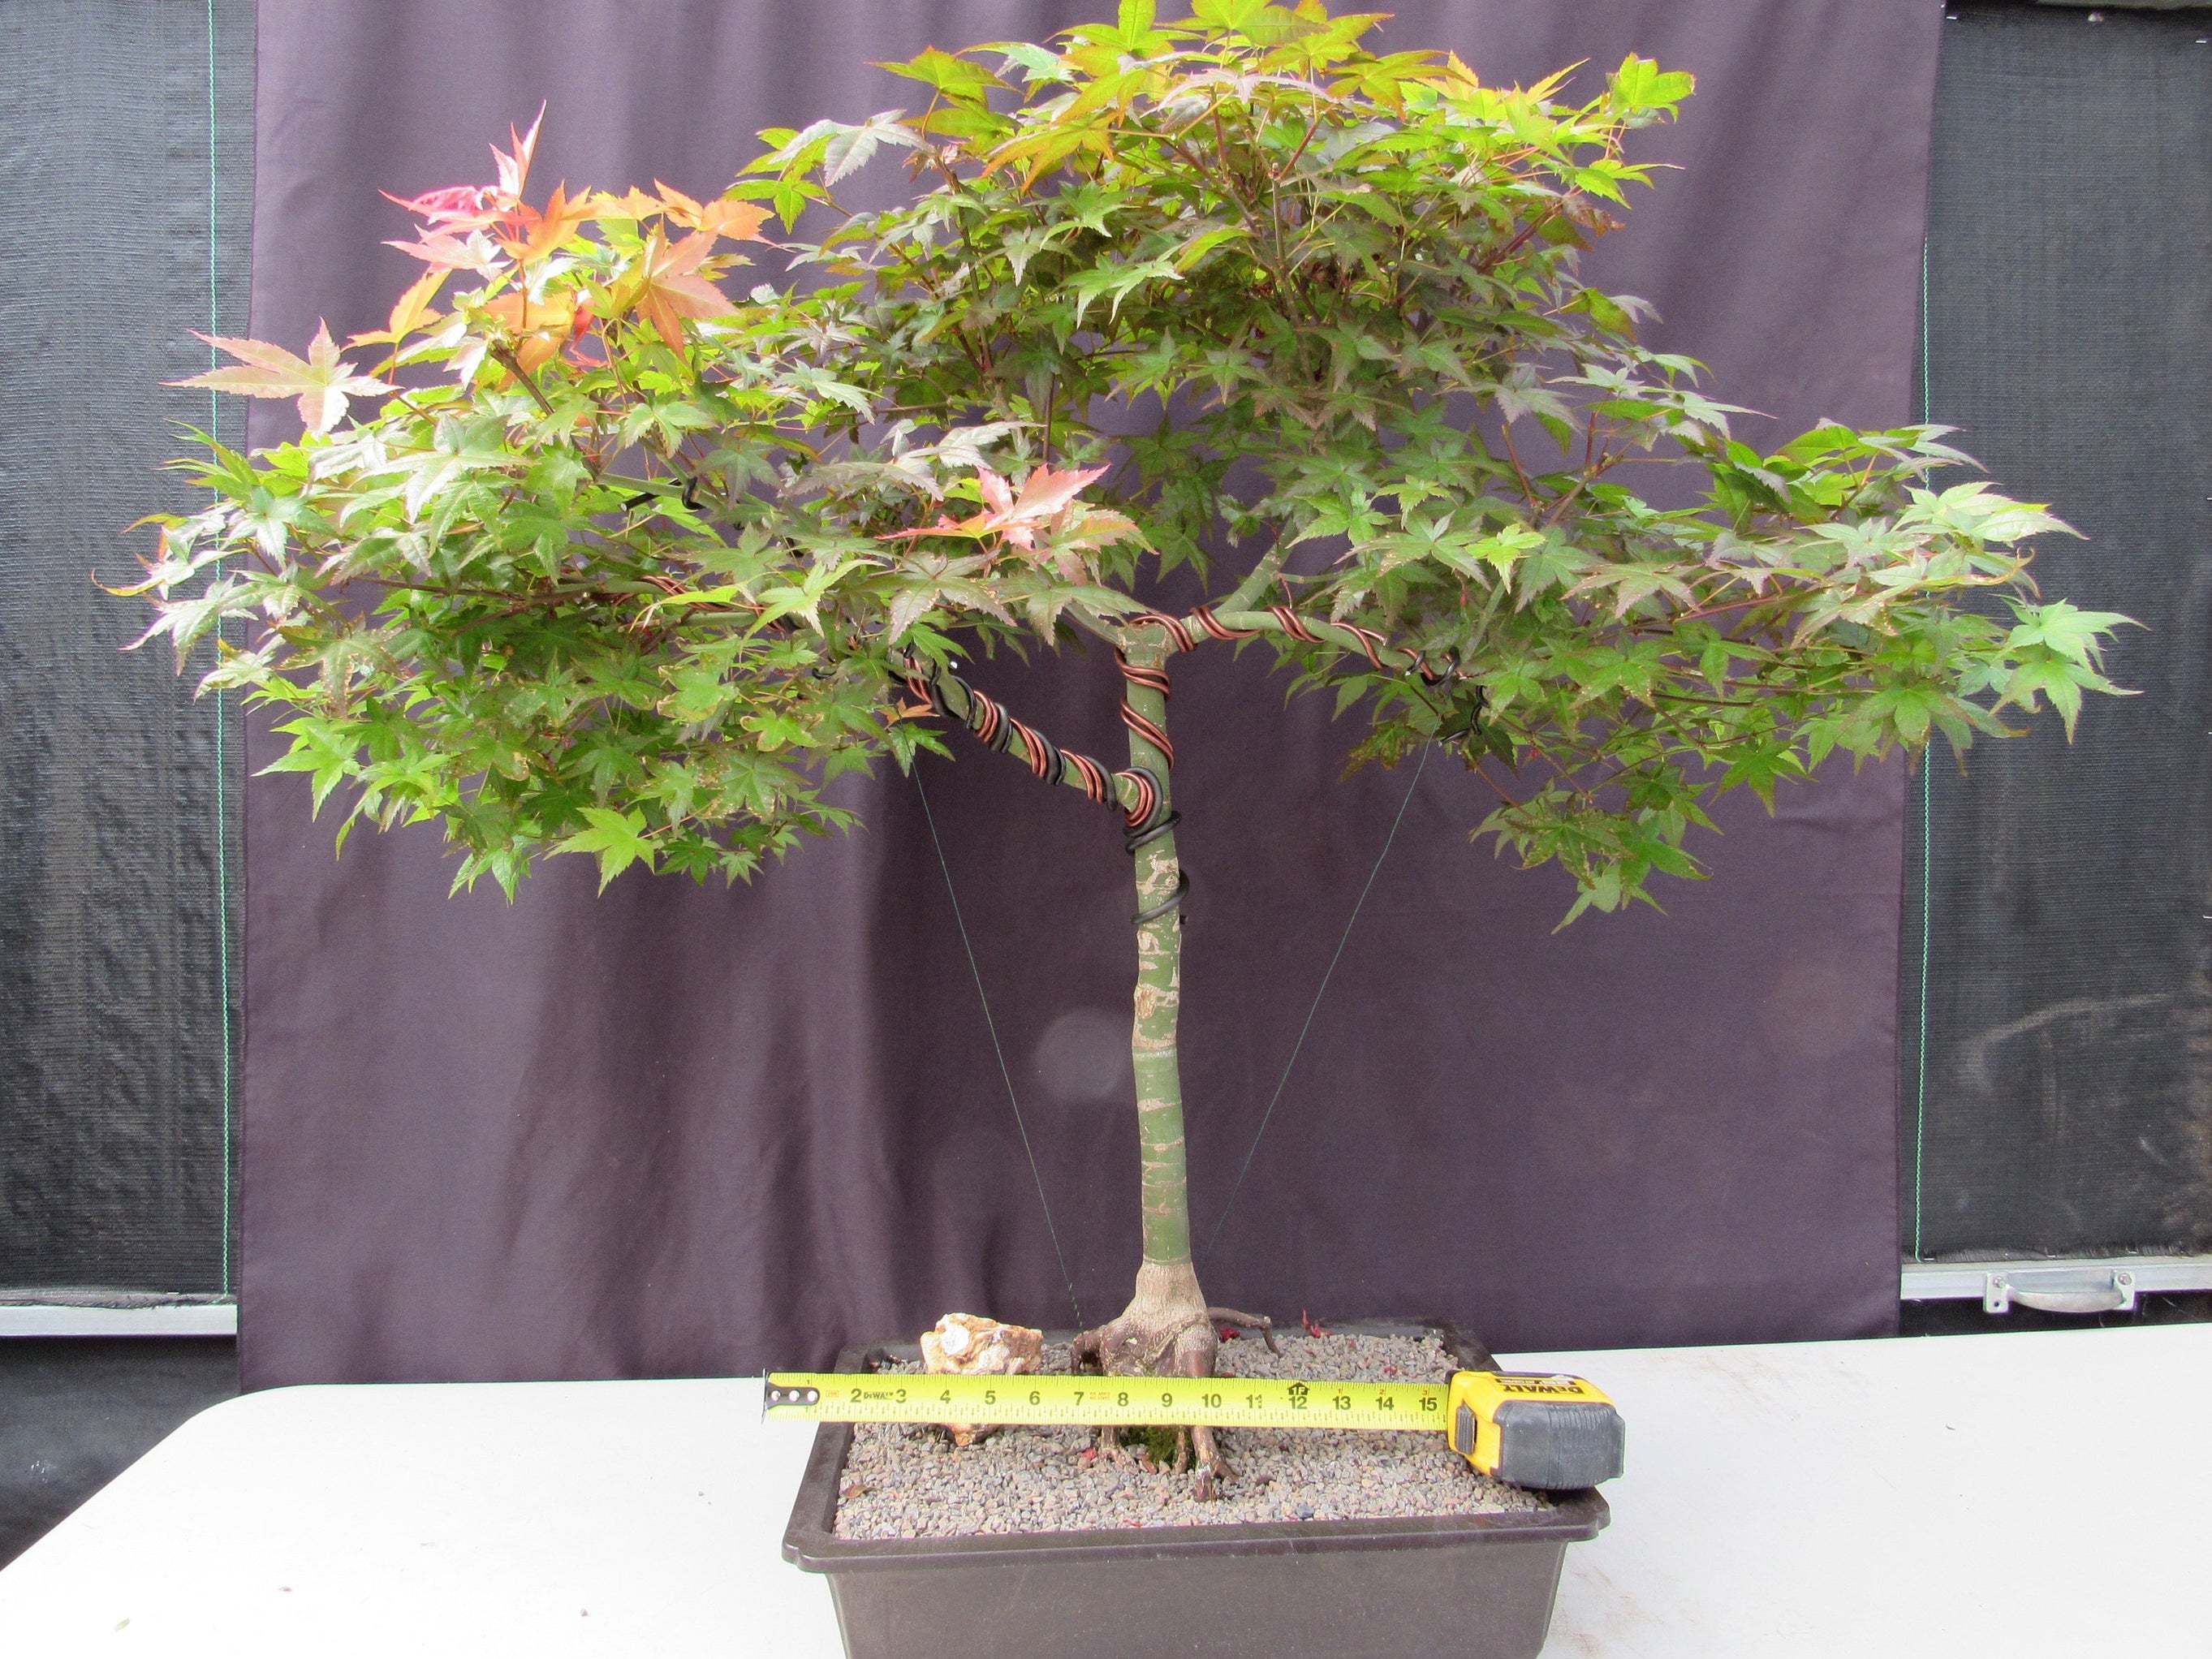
255	351
634	204
738	220
320	382
679	206
681	258
411	312
514	168
520	314
1044	492
557	224
458	207
246	382
695	296
944	526
541	327
666	288
536	351
453	253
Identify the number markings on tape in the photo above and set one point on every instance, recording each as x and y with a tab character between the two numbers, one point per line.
1235	1402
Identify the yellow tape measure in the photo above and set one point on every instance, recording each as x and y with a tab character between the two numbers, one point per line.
1550	1431
1235	1402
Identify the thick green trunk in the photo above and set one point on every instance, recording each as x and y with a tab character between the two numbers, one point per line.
1165	1188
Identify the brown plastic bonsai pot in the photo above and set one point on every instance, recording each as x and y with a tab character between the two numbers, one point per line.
1469	1586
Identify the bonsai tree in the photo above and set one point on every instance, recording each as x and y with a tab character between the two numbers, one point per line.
627	563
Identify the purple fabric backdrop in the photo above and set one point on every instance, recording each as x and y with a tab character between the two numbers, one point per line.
681	1131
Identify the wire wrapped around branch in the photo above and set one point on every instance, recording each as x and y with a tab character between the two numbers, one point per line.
1375	646
1136	817
1152	679
1136	790
1176	630
1147	816
1216	628
994	726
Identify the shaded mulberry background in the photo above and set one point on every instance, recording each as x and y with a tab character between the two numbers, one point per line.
677	1131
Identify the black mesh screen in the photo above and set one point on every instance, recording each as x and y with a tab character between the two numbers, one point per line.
126	159
2056	923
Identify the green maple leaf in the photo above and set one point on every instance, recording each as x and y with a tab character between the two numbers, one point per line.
618	839
2071	633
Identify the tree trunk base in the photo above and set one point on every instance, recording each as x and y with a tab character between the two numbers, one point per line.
1167	1330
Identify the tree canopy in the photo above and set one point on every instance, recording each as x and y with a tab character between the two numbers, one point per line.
630	560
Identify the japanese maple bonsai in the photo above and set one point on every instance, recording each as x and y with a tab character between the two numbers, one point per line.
628	565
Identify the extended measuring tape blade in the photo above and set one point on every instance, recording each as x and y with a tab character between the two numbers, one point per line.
1230	1402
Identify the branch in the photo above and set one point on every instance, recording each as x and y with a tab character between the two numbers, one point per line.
504	355
992	723
1361	641
1262	577
1096	626
1528	489
1491	261
1496	788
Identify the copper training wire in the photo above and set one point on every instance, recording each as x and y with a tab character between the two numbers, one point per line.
992	725
1173	627
1150	732
1093	774
1369	641
1218	629
984	717
1154	679
1147	788
1142	820
1044	756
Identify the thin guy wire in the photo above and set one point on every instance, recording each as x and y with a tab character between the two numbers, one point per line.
222	800
1319	992
992	1025
1927	843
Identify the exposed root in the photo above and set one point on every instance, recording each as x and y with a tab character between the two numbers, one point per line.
1166	1330
1259	1322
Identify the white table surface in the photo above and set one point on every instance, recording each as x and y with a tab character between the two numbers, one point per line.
2014	1495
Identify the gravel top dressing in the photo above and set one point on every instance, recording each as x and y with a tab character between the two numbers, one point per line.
908	1480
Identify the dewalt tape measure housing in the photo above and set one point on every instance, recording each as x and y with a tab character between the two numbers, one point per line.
1554	1433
